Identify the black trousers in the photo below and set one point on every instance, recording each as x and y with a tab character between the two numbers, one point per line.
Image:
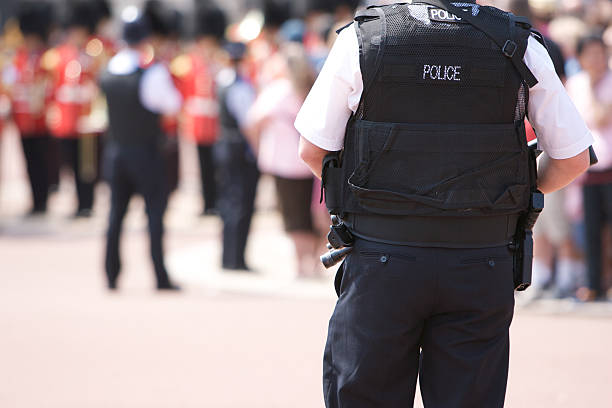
36	149
171	157
136	171
597	200
237	177
207	174
73	153
437	313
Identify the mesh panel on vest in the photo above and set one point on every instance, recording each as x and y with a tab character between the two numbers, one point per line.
439	130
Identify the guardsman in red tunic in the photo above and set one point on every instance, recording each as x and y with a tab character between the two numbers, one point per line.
74	90
28	86
195	73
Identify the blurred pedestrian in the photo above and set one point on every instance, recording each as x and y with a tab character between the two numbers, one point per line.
195	72
137	96
591	91
271	130
74	91
166	30
237	173
29	89
263	62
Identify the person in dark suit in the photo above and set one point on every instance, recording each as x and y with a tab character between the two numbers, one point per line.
237	173
137	95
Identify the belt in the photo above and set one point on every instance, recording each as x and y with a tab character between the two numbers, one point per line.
446	232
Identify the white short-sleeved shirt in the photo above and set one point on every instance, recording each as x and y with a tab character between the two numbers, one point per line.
157	91
562	133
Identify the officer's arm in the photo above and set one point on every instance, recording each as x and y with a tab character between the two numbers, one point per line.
560	172
312	155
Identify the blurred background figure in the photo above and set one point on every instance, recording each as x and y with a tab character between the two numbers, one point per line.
51	70
237	173
591	91
195	73
73	74
271	130
166	29
263	63
557	266
28	85
138	92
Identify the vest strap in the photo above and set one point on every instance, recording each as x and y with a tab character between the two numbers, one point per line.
448	232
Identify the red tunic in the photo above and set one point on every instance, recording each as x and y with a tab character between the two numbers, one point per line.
73	89
194	77
29	93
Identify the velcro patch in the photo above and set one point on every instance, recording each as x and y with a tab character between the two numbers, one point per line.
443	16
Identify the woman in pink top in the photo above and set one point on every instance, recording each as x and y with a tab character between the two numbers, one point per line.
274	138
591	91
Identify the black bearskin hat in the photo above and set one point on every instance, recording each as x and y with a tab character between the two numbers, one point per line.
82	13
276	13
103	10
158	17
211	21
330	6
35	18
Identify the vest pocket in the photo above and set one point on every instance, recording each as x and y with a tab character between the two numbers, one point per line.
424	169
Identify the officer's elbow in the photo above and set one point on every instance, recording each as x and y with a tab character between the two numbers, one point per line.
311	155
580	163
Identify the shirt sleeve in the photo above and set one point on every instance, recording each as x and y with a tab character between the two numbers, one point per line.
335	95
240	98
158	93
562	132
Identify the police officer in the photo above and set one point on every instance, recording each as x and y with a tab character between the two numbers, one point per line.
435	183
237	173
137	95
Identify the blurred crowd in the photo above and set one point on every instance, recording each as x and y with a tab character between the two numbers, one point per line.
240	83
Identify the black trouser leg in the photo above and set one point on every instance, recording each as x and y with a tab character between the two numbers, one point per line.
171	156
55	159
593	221
237	176
72	155
151	178
86	171
465	342
207	173
155	214
36	150
121	192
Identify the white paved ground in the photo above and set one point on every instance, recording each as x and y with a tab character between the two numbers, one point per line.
228	340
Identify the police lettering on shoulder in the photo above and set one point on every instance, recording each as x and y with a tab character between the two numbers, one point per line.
416	126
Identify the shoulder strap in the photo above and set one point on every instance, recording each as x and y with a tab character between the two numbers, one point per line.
371	28
338	31
538	36
498	33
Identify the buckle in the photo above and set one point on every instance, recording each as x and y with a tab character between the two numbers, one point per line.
509	48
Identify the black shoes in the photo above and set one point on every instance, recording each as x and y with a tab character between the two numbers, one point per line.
168	287
239	267
112	286
83	213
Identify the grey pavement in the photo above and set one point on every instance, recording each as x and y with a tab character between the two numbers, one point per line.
228	340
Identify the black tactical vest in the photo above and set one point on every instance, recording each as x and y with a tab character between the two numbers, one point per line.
130	123
229	127
437	148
